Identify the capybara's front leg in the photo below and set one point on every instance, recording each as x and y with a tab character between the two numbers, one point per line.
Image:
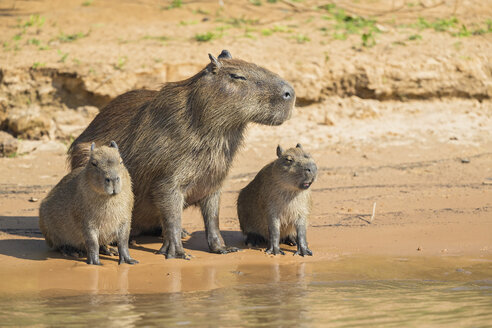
170	203
92	246
210	212
123	238
274	236
302	246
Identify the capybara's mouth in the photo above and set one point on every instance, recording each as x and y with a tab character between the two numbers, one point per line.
306	185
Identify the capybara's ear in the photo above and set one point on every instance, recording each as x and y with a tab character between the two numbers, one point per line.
225	54
280	151
93	145
215	64
299	146
113	144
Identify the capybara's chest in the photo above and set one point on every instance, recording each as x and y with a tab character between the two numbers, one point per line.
290	210
203	184
205	173
108	216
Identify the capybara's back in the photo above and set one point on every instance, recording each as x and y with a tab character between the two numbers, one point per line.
90	206
275	206
53	221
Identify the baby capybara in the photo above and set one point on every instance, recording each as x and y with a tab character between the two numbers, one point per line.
275	206
91	206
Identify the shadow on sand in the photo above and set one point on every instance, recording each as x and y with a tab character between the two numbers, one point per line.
198	242
33	246
195	241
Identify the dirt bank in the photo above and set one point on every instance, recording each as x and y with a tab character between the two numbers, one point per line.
59	56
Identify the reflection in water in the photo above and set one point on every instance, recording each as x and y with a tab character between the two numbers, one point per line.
341	293
301	303
278	306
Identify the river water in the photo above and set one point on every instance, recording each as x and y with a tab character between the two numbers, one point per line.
445	293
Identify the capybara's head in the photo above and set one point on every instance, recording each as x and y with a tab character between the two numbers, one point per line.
295	168
104	169
242	92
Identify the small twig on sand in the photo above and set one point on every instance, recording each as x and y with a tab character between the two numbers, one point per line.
373	211
292	5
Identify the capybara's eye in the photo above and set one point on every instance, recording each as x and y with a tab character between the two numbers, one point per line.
237	77
289	159
94	163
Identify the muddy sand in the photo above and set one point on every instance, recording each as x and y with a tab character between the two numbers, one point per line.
401	131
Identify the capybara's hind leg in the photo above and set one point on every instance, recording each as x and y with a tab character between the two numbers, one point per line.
108	250
289	240
254	240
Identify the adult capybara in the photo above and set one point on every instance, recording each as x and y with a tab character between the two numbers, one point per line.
91	206
275	206
179	142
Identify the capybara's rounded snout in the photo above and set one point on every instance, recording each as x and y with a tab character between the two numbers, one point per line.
310	173
282	104
288	93
112	184
310	169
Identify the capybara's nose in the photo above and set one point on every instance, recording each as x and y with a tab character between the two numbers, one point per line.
288	92
116	185
311	168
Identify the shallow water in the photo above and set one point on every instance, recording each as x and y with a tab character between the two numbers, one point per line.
391	303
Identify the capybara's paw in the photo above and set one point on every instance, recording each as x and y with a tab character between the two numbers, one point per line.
184	233
170	251
274	251
93	261
108	250
289	241
128	261
303	251
225	250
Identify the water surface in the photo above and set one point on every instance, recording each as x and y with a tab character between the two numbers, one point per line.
390	303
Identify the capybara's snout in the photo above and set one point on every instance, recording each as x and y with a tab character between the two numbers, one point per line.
112	184
287	92
310	170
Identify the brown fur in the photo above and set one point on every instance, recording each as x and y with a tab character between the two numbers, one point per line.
275	206
179	142
91	206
